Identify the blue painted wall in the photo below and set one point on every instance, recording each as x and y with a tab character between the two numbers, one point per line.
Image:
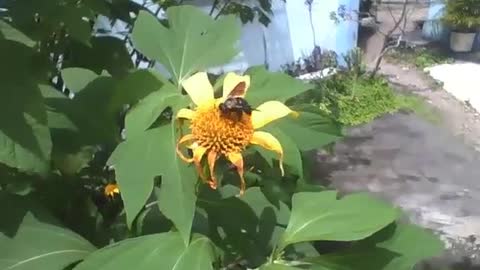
290	35
347	31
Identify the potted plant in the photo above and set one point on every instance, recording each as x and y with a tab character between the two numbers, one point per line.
463	17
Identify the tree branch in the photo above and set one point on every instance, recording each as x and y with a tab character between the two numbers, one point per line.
214	6
386	47
222	9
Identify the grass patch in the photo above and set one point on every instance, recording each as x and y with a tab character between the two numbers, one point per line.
418	106
354	100
420	57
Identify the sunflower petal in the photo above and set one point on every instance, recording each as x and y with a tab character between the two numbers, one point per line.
231	82
268	141
198	88
268	112
198	153
184	139
212	158
237	160
185	114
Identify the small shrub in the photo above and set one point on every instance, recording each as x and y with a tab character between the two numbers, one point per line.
419	57
316	61
463	15
418	106
355	101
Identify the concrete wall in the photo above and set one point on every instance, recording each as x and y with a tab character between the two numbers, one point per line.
292	33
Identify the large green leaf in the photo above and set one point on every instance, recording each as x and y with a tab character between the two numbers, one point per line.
53	16
11	33
292	157
139	159
310	130
24	134
373	258
107	95
272	86
193	42
157	251
252	230
320	216
413	243
99	124
136	162
77	78
276	266
143	114
105	53
39	245
176	198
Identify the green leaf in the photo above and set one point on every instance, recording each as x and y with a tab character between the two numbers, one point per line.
250	225
11	33
157	251
105	53
108	96
355	259
24	134
53	17
98	125
77	78
276	266
320	216
292	157
39	245
137	85
141	116
136	162
309	130
267	86
413	243
176	198
193	42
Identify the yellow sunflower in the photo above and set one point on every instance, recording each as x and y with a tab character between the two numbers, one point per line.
215	134
110	190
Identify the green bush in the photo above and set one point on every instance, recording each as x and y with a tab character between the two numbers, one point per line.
463	15
353	101
420	57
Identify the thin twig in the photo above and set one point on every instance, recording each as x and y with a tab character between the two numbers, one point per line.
222	9
214	5
386	47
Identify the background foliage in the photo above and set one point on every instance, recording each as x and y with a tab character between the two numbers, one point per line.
78	113
351	96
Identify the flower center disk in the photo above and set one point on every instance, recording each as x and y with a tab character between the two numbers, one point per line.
216	132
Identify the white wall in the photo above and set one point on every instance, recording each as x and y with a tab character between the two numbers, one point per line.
289	36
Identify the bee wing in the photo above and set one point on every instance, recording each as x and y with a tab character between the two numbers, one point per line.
238	90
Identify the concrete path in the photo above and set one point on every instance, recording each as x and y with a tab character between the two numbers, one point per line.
462	80
420	167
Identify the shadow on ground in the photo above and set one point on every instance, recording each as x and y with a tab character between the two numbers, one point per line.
420	167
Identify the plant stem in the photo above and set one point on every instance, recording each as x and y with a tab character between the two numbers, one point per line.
222	9
214	5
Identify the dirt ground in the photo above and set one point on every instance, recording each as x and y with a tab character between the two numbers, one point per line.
370	41
460	119
429	170
457	117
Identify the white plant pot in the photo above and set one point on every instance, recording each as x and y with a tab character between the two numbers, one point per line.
462	42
